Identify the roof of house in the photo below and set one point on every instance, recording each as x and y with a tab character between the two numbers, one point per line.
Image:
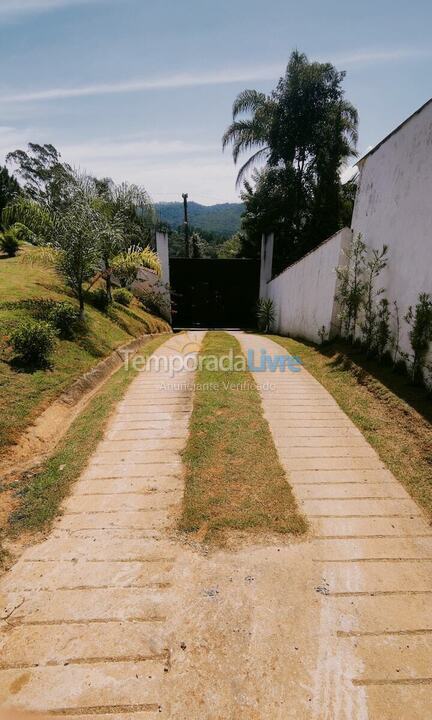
393	132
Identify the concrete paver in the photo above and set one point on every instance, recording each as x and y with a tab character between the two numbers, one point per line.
84	628
373	549
115	616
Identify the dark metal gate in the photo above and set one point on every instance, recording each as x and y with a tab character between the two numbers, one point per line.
214	293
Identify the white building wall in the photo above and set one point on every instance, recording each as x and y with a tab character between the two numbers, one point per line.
304	293
394	206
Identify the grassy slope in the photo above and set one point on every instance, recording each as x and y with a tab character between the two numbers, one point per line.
394	416
39	498
23	395
233	476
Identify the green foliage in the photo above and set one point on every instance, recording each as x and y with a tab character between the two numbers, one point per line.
420	321
352	286
30	213
122	296
155	301
382	333
373	267
265	315
64	316
232	247
127	207
9	242
61	314
46	179
220	220
358	297
126	265
99	299
199	246
304	131
23	233
33	341
9	188
75	235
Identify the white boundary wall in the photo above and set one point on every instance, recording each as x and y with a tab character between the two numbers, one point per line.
304	294
394	207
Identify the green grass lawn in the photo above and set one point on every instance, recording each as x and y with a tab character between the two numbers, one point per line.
24	394
233	476
393	415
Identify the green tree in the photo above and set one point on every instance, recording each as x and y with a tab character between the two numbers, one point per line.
9	188
46	179
232	247
126	205
76	238
250	133
305	131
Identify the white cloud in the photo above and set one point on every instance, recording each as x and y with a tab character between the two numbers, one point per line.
184	80
165	168
20	7
195	79
370	57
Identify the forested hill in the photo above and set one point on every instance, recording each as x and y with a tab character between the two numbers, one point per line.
223	219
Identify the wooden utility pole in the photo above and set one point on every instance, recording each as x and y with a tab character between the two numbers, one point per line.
186	223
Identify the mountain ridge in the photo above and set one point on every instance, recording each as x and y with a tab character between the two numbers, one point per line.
221	218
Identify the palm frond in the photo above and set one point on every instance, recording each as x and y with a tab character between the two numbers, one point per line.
248	101
262	153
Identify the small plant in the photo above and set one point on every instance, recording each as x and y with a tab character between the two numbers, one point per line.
99	299
323	334
374	266
396	337
154	302
352	286
122	296
126	265
382	330
9	242
33	341
420	335
265	314
64	316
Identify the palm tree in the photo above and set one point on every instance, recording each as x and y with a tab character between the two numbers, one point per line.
247	133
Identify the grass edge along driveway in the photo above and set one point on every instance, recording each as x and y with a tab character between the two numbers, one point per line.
393	415
39	497
233	477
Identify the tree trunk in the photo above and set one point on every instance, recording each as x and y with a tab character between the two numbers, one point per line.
108	285
81	303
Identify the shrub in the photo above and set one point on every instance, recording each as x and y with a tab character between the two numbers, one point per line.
420	320
39	308
265	314
33	341
154	302
23	233
9	242
99	299
126	265
64	317
123	296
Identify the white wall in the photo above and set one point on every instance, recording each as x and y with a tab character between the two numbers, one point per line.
304	293
394	206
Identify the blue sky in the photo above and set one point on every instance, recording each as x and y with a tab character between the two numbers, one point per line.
142	91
